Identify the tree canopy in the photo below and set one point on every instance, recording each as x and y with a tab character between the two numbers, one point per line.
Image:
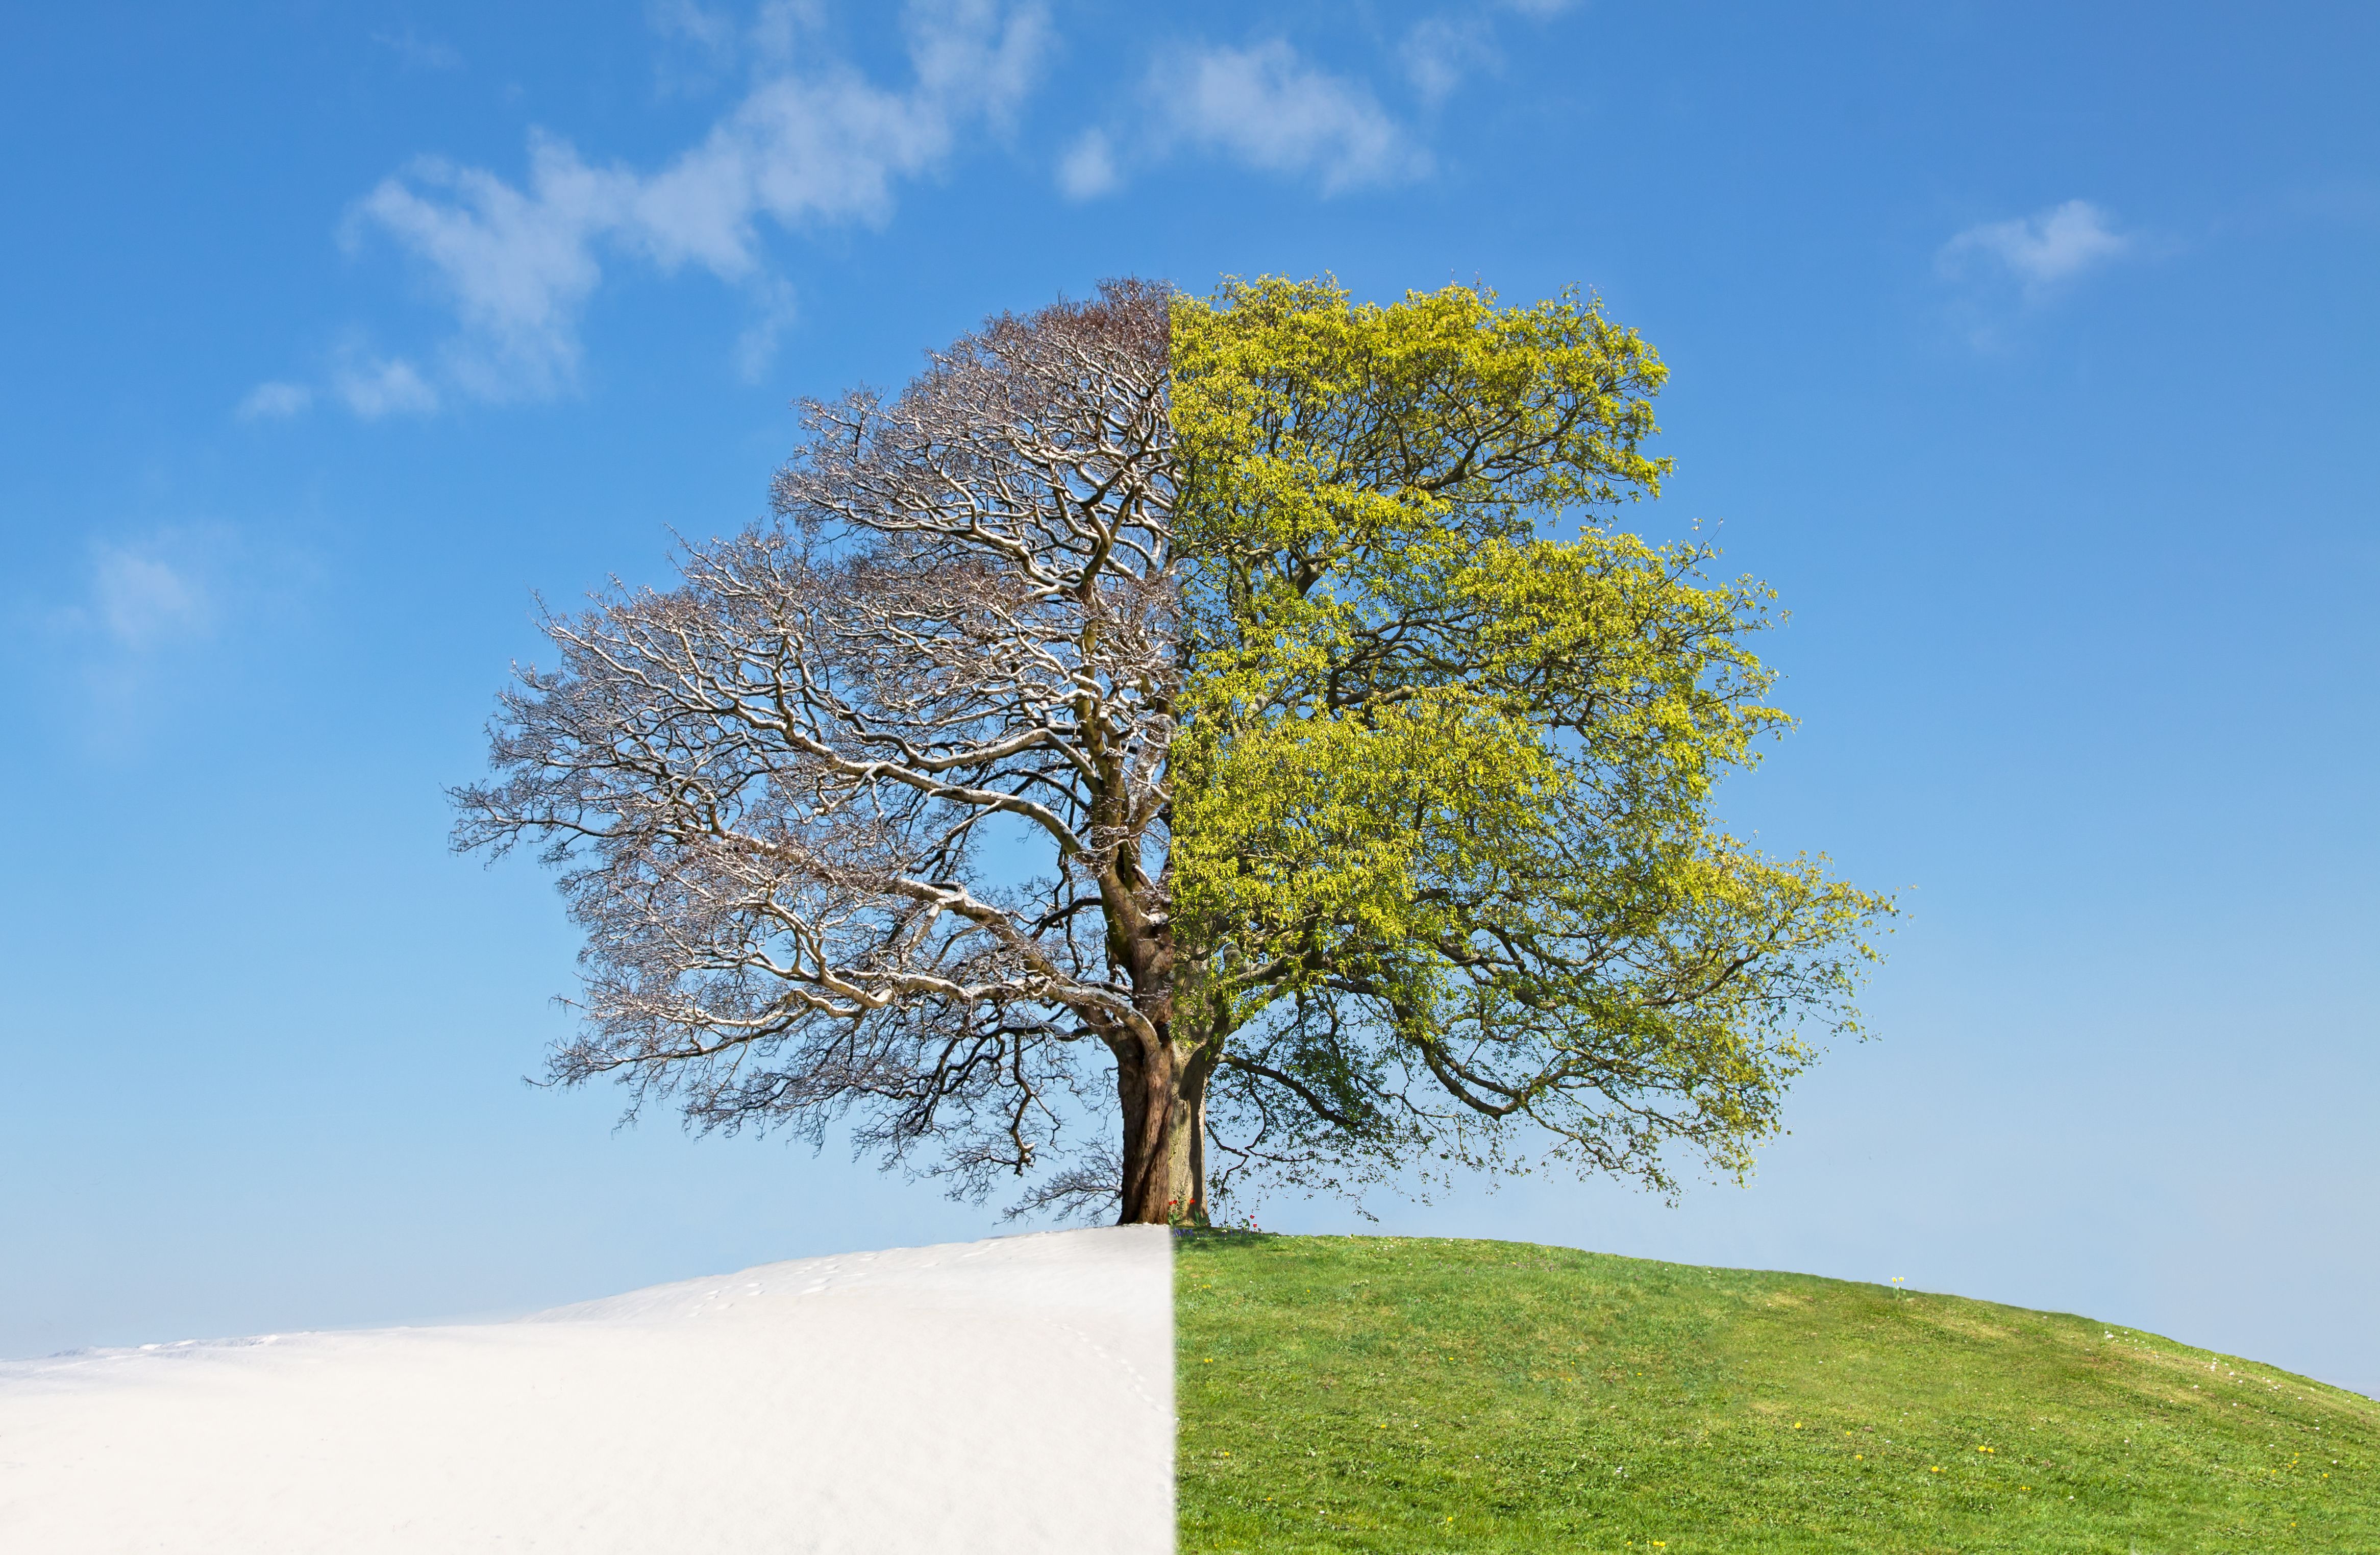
1237	716
1442	833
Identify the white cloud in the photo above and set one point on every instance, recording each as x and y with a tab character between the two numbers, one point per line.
1543	10
710	44
1269	110
2037	251
142	597
806	145
517	264
275	401
713	31
131	639
1439	51
779	26
373	388
757	345
1088	169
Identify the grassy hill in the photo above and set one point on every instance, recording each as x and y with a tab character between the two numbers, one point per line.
1403	1394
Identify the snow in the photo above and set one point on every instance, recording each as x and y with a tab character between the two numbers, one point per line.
1012	1394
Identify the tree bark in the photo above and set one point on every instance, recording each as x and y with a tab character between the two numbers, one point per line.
1163	1088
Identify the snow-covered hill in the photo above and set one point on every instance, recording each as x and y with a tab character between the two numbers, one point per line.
1014	1394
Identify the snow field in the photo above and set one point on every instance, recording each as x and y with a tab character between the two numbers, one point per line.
1012	1394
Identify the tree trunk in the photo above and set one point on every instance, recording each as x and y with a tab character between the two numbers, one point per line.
1163	1088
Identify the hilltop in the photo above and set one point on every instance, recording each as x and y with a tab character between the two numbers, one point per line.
1391	1394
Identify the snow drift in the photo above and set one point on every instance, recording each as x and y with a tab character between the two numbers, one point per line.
1014	1394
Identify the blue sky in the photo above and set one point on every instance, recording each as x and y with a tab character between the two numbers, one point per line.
2027	349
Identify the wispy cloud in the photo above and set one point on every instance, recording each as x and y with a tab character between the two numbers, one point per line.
713	31
369	385
373	387
774	313
1263	107
1268	109
809	144
143	596
133	632
1089	168
2038	252
275	401
517	264
1438	53
1266	106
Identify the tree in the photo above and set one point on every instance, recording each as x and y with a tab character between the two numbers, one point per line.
1441	798
1175	700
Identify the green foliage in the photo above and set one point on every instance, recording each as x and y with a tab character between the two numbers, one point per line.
1442	853
1378	1396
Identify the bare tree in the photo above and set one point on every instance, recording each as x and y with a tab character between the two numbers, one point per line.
788	794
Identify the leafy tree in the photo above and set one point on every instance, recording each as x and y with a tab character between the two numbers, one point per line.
1442	803
1371	819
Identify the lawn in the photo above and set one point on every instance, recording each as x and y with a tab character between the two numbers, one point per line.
1374	1393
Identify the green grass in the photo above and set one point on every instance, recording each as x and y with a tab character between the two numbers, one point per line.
1392	1394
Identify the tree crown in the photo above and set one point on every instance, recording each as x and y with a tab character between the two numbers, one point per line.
1369	765
1441	796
